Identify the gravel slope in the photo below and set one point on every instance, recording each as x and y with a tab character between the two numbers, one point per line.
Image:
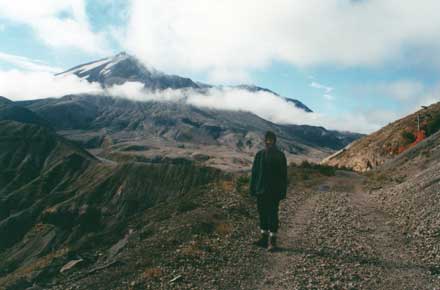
334	239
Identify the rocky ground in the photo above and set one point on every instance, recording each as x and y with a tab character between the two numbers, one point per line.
339	230
197	241
343	238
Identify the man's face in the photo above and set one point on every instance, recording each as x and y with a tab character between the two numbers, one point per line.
269	142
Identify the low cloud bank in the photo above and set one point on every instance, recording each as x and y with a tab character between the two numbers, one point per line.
36	85
264	104
18	85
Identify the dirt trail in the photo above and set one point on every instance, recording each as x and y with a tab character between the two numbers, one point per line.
332	239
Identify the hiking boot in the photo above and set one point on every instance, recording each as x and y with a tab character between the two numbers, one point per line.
272	245
263	241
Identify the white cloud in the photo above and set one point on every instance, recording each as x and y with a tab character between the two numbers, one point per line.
19	85
135	91
403	90
408	93
326	89
59	23
35	85
27	63
321	87
129	90
237	36
263	104
429	97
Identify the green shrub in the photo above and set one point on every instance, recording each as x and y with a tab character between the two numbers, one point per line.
408	137
326	170
322	169
433	125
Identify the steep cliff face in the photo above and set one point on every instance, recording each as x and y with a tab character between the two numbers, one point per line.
385	144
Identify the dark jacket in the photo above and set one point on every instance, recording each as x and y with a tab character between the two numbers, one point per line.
269	174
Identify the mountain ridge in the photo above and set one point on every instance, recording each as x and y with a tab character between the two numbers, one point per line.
123	67
107	124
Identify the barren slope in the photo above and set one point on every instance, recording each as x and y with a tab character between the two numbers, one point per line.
376	148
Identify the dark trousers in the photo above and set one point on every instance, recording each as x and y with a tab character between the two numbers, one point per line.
268	210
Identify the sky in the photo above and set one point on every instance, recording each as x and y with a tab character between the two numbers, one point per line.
359	64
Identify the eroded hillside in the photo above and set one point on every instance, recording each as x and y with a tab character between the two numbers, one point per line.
387	143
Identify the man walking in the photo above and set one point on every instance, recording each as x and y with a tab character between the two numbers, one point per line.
269	185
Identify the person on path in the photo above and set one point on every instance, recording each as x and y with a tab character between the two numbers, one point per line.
269	185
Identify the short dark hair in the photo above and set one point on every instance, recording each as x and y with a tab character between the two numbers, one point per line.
270	135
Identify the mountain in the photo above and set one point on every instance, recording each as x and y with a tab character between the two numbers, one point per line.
122	129
387	143
11	111
121	68
4	101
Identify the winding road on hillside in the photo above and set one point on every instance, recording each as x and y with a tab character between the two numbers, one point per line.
338	237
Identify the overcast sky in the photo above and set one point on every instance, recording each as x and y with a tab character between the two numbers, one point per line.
364	62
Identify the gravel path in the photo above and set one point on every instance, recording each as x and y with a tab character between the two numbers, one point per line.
342	240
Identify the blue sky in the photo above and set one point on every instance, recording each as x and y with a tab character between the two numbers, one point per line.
367	61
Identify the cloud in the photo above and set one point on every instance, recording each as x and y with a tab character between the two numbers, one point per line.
237	37
59	23
403	90
27	63
428	97
407	95
19	85
321	87
136	91
35	85
407	92
264	104
327	90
